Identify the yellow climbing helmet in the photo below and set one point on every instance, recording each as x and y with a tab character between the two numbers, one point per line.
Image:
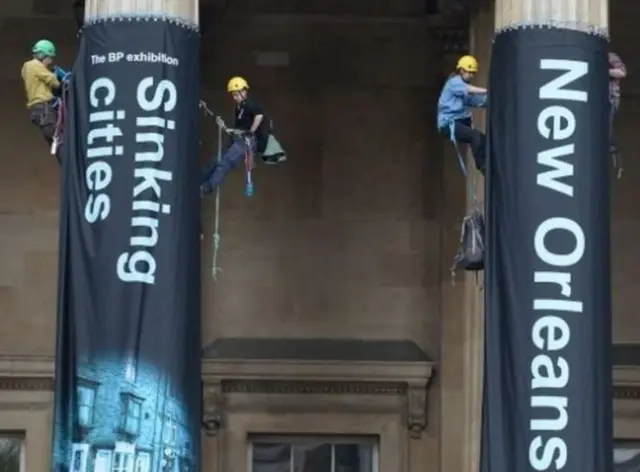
236	84
467	64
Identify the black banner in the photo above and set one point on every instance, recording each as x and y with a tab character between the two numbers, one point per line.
128	380
548	374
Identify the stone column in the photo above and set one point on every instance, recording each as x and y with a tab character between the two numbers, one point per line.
183	9
580	15
473	349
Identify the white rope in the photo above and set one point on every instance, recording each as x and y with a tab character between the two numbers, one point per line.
215	270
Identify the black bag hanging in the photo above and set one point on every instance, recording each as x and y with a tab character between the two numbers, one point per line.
470	256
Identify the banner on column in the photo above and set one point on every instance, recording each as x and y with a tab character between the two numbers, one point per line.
128	381
548	374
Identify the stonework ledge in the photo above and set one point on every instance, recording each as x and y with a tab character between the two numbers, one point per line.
307	380
626	381
304	378
357	376
33	373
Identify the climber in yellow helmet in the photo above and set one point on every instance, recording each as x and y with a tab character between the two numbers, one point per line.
251	134
454	114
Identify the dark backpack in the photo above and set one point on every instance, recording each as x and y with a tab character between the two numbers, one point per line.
470	255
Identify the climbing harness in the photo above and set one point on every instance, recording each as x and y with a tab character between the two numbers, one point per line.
249	160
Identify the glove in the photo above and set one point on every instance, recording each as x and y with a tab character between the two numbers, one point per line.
60	74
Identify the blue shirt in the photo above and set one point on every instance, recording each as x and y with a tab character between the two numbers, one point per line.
455	101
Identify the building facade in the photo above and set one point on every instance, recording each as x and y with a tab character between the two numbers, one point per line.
355	351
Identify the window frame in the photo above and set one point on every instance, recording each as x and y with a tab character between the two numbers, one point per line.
20	437
120	451
127	399
170	426
293	440
626	444
92	387
139	455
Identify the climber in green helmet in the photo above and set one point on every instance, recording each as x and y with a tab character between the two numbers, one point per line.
42	82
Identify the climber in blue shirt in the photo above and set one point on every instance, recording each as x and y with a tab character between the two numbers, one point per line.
454	114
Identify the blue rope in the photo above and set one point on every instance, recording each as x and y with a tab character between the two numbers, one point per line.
461	161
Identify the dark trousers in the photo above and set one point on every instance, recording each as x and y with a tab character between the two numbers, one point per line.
215	172
613	109
464	133
45	117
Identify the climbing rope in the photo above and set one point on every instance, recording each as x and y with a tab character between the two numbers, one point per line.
476	209
463	166
215	270
61	105
249	165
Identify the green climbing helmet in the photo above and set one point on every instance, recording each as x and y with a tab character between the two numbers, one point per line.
44	47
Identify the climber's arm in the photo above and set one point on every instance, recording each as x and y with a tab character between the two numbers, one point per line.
258	116
257	121
40	72
617	69
478	100
473	90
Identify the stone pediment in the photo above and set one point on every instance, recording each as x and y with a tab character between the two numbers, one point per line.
308	374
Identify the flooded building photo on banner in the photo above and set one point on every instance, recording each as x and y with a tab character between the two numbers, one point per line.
128	418
242	236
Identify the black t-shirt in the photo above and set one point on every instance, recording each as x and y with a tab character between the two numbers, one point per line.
245	114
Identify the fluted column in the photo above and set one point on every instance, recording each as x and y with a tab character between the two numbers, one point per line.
548	374
183	9
580	15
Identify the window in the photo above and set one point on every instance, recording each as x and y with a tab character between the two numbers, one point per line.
130	371
103	460
303	454
123	462
131	414
170	433
626	456
143	462
86	403
79	457
12	457
123	457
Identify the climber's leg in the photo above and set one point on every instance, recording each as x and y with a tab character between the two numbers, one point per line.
464	133
45	117
614	151
215	173
613	109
